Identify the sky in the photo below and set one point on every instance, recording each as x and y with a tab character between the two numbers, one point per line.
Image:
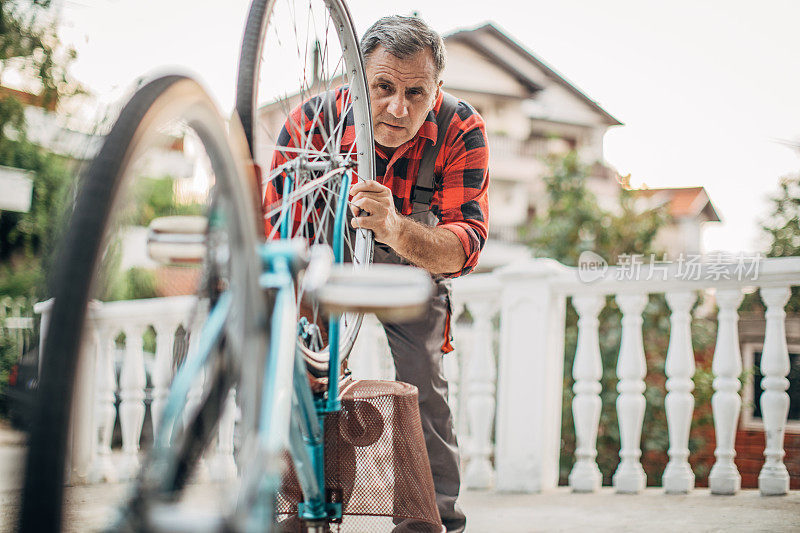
706	89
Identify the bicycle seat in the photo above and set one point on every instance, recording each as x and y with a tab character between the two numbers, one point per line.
177	239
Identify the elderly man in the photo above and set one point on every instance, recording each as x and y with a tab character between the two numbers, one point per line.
427	207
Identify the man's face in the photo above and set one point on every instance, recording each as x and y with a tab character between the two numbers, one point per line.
402	91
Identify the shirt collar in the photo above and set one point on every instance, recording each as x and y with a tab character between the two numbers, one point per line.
429	130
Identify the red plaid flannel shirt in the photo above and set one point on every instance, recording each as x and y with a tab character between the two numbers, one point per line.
460	199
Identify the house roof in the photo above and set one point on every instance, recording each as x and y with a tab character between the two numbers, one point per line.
472	39
29	99
683	201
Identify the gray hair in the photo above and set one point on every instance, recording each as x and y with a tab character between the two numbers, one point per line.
404	37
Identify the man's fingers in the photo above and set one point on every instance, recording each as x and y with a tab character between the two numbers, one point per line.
370	205
368	185
361	222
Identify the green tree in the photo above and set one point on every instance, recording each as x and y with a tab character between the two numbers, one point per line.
29	46
574	222
155	197
782	226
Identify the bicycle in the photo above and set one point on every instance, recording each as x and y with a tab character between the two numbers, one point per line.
247	290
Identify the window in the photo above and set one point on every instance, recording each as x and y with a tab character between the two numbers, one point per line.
752	391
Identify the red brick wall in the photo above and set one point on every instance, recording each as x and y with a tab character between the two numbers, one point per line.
750	457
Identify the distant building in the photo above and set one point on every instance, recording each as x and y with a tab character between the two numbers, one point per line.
689	208
532	111
50	130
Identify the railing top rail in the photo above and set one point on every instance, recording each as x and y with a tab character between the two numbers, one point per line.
477	286
146	310
752	273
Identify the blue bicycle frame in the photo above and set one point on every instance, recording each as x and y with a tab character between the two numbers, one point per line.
296	409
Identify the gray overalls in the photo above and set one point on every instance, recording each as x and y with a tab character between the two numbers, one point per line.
417	346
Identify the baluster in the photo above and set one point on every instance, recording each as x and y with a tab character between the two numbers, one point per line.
132	382
82	440
162	371
106	413
195	395
481	372
365	360
679	404
587	370
462	335
631	370
224	465
452	374
773	480
385	360
724	477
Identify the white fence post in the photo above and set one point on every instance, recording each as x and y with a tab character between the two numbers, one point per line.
132	382
530	377
631	370
370	357
479	385
161	373
587	369
224	466
679	404
724	477
80	443
774	478
82	436
105	411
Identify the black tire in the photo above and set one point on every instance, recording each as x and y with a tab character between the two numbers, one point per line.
259	25
79	259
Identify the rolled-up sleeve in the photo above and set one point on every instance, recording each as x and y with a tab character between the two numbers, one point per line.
463	195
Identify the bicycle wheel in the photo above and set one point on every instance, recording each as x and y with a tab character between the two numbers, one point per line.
167	154
306	53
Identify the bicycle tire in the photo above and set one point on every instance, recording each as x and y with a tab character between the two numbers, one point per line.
79	259
247	106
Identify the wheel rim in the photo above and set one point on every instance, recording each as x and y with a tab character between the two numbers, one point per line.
292	53
98	250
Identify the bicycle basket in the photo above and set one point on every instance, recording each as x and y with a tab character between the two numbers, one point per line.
375	461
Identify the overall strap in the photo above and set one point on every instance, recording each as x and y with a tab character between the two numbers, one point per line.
422	194
329	112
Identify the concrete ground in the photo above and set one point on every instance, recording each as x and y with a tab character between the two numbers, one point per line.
491	512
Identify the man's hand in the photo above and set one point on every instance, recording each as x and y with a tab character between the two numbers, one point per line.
437	250
373	207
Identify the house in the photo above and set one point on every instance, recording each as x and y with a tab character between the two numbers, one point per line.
532	111
689	209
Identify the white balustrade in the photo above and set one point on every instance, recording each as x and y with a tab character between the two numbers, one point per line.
105	412
459	360
161	374
480	394
132	381
452	373
631	369
507	405
370	357
82	445
530	374
587	369
724	477
224	465
679	403
774	478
